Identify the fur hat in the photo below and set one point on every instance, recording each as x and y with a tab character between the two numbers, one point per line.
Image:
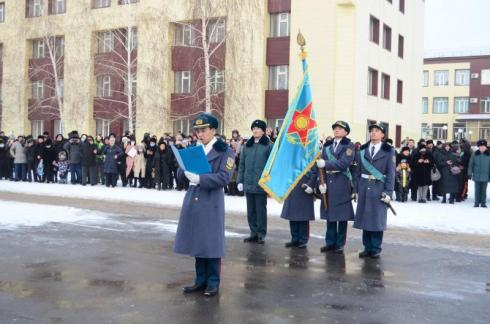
259	124
482	142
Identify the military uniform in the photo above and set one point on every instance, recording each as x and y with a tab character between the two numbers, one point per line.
201	228
338	155
375	177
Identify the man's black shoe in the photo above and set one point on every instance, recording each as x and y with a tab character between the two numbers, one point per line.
260	241
364	254
302	245
193	289
476	205
250	239
325	249
291	244
339	251
483	205
210	292
375	255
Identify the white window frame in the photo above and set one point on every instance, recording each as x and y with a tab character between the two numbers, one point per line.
132	42
216	31
184	34
217	81
441	78
59	46
57	127
38	48
485	77
58	7
183	82
461	105
462	77
104	88
133	85
485	105
2	12
183	126
38	89
438	106
106	41
425	79
438	131
425	105
102	3
37	128
280	24
103	127
35	8
279	77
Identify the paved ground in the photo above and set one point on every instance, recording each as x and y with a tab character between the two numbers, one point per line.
124	271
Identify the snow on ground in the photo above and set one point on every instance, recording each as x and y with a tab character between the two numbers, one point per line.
433	216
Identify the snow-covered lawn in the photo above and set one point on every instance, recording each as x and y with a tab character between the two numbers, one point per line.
434	216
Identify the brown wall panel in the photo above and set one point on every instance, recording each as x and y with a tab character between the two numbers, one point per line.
276	103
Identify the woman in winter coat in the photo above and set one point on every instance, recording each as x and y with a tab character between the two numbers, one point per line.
150	155
139	166
130	152
448	162
89	153
18	152
4	159
49	157
422	165
161	164
112	153
38	156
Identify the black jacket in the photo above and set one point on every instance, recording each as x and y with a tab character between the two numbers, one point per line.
88	157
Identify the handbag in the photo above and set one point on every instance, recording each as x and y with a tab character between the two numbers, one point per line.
435	175
455	170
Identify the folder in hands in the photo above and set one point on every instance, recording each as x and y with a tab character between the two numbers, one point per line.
192	159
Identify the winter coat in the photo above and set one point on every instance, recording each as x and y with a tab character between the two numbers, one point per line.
421	171
371	212
87	156
201	229
129	159
4	159
58	145
111	156
38	152
253	158
339	187
449	183
30	154
74	151
299	206
49	156
479	166
139	166
161	163
18	152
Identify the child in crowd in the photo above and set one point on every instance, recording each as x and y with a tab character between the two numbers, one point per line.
62	166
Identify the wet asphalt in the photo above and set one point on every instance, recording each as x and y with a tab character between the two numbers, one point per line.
124	271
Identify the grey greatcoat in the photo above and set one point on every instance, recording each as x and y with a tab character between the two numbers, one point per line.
479	167
299	205
371	213
201	229
252	162
339	187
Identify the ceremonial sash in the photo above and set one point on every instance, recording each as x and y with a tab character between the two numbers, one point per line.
371	169
331	157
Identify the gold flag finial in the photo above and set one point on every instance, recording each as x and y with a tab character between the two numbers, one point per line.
302	43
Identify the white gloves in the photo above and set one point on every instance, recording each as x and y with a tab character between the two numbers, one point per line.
354	197
385	198
320	163
240	187
193	178
308	189
322	188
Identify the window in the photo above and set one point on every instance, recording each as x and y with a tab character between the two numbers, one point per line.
101	3
2	12
441	78
123	2
34	8
61	88
425	79
37	128
461	105
37	90
439	131
280	25
425	105
485	76
462	77
59	46
278	77
385	86
105	42
183	82
485	105
131	40
399	91
103	127
38	48
133	86
402	6
57	7
372	82
374	30
459	131
386	37
484	131
57	127
275	124
401	44
217	81
183	125
440	105
104	88
184	35
216	31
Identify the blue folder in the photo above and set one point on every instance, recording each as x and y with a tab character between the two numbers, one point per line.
192	159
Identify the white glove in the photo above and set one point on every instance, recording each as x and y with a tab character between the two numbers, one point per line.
354	197
240	187
193	178
323	188
385	198
320	163
308	189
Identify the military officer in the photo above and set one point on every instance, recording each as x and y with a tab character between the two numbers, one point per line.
337	157
299	209
375	184
201	229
